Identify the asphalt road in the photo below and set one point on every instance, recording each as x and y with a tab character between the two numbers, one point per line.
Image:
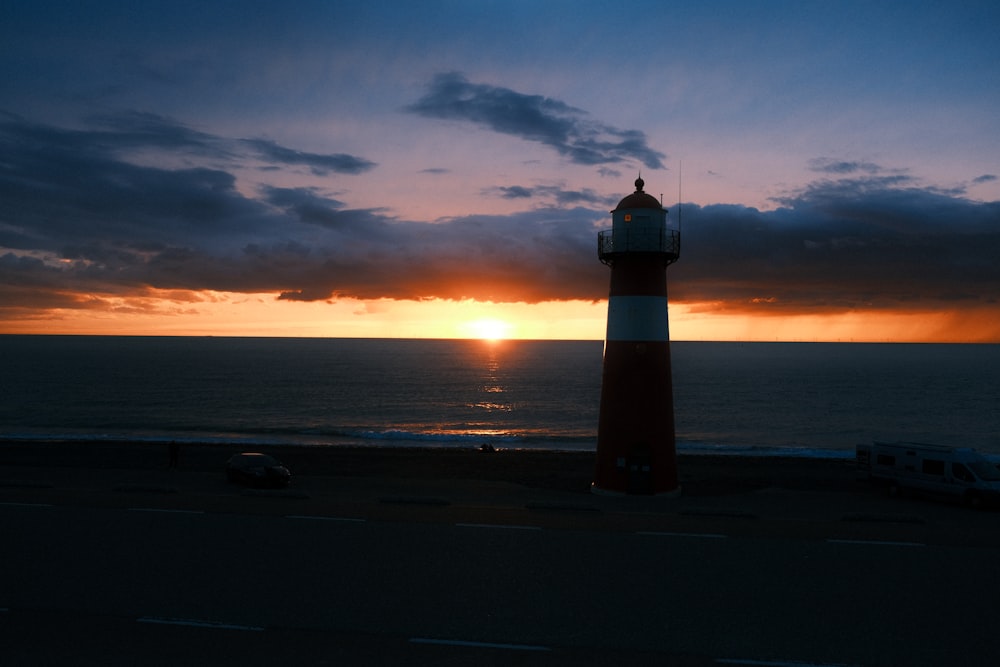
143	583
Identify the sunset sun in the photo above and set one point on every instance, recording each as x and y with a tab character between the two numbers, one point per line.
489	329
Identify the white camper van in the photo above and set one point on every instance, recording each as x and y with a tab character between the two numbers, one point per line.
958	472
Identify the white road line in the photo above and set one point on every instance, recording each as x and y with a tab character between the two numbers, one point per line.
708	536
164	511
195	623
880	543
777	663
461	642
502	526
340	519
26	504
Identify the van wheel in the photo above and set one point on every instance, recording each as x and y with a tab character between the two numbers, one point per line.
973	499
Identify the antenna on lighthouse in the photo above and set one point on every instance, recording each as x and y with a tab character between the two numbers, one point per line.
680	175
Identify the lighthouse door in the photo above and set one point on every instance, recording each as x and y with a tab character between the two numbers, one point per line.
640	474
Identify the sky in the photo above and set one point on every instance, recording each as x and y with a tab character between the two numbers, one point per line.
442	168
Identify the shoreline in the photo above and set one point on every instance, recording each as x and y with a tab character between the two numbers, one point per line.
718	493
798	452
550	469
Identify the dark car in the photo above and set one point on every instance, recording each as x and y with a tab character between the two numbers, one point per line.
256	469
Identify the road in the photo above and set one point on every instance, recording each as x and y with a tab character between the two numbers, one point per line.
146	584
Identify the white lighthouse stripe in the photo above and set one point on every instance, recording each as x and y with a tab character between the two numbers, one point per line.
638	318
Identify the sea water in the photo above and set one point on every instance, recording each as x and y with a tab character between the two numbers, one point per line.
797	399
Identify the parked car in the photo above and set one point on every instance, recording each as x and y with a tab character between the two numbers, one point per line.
256	469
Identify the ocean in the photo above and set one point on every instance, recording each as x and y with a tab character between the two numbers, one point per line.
750	399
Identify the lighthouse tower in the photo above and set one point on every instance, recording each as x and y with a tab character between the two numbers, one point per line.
636	451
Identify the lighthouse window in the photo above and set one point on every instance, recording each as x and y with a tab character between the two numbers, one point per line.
628	217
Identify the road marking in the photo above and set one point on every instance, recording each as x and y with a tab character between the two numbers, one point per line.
25	484
863	517
164	511
497	525
778	663
26	504
414	500
195	623
880	543
709	536
145	488
723	512
462	642
340	519
561	507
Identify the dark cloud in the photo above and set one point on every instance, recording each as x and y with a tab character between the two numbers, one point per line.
553	195
566	129
827	165
308	206
564	197
142	130
515	192
66	191
985	178
319	164
844	245
80	224
77	217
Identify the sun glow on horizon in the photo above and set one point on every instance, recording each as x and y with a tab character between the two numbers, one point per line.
489	328
177	313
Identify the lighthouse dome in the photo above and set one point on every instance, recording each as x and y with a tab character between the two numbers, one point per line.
639	199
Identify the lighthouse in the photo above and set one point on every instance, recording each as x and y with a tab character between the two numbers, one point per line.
636	450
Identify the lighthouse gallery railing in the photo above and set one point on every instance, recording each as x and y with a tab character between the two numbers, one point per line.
665	242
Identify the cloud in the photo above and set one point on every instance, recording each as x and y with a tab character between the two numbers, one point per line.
515	192
134	130
137	129
553	195
81	227
843	245
841	167
985	178
553	123
319	164
79	218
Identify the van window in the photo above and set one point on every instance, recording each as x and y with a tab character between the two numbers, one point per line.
932	467
885	460
962	473
987	470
